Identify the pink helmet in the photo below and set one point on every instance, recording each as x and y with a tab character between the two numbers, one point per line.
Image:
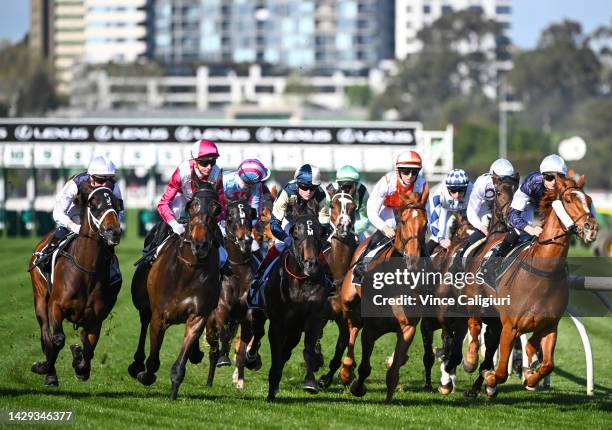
204	148
252	170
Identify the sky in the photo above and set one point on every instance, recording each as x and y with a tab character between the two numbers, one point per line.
529	17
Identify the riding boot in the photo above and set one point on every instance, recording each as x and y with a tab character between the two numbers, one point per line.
273	252
361	266
59	234
489	268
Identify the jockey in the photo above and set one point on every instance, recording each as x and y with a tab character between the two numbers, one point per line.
202	167
67	213
525	203
305	186
446	199
385	200
247	182
347	181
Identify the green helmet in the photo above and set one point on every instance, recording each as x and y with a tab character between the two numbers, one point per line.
347	173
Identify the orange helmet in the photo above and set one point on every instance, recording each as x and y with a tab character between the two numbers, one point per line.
408	159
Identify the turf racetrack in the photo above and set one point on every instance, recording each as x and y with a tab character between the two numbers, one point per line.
111	398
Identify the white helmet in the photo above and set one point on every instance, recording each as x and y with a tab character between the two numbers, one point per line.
553	163
501	167
101	166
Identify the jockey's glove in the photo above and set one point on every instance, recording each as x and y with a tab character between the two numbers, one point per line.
177	227
73	227
288	241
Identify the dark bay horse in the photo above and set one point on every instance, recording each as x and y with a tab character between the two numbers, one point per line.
343	243
181	286
296	302
537	283
81	292
409	245
232	309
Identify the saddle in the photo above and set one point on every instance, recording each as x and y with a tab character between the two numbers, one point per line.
46	263
502	267
256	297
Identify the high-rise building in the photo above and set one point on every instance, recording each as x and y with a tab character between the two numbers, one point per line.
65	32
310	34
412	15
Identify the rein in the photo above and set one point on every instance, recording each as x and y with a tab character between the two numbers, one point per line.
290	273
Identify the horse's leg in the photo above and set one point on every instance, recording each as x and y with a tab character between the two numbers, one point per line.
334	364
81	357
548	342
225	336
508	334
252	357
137	365
368	338
429	358
312	335
404	339
471	360
244	337
491	338
41	298
213	325
454	332
157	330
58	340
276	338
347	373
193	330
531	349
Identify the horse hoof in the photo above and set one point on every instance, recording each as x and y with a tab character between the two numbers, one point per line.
325	381
489	377
145	378
135	368
40	368
253	364
240	384
357	390
51	381
82	375
491	392
469	368
526	385
235	376
428	388
223	361
470	394
446	389
310	387
196	357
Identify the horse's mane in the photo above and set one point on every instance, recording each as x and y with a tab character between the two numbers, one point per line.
551	195
410	199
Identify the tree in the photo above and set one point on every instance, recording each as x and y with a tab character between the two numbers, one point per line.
562	71
456	64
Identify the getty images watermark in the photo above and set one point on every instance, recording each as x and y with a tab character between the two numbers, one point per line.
424	290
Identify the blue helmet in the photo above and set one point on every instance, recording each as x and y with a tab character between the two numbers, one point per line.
308	174
457	178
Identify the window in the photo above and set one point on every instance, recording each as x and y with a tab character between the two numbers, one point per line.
427	9
446	9
503	10
408	9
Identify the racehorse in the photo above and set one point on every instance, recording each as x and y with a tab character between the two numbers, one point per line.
537	283
79	289
409	244
296	301
342	247
232	308
181	286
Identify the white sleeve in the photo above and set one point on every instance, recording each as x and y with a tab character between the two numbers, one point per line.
520	200
63	201
375	203
475	202
117	193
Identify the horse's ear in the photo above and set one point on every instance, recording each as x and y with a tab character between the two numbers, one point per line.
425	195
581	181
516	176
253	213
214	209
274	192
331	190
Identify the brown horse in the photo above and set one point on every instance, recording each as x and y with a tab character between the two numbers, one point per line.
81	292
342	247
232	308
181	286
536	283
409	244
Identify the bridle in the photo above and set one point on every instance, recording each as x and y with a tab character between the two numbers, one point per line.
404	241
96	222
568	224
343	217
500	212
202	210
312	231
243	219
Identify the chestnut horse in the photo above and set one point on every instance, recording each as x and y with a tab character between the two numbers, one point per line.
181	286
232	308
537	283
81	292
409	244
343	243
